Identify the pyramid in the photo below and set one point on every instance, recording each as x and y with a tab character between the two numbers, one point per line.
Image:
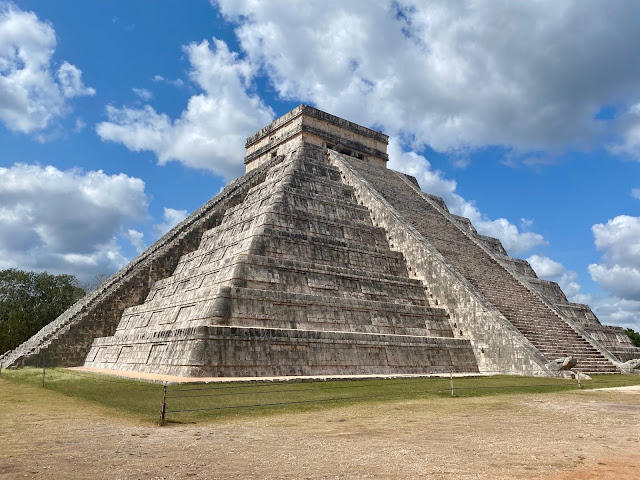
322	261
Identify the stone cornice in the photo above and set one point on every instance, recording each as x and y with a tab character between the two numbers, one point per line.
320	115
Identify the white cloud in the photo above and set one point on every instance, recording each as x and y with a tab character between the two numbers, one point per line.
617	311
619	238
619	270
545	267
513	240
526	222
552	270
450	74
138	129
143	93
171	218
70	78
635	193
30	97
433	182
66	221
622	281
176	83
629	142
211	132
128	28
136	239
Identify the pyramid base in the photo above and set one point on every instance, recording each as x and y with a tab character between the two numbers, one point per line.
222	351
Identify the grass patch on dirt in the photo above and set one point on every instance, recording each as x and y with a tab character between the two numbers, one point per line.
197	402
123	396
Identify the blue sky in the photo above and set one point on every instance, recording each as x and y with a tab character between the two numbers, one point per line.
117	119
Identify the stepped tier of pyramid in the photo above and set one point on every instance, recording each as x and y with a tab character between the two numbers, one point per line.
322	261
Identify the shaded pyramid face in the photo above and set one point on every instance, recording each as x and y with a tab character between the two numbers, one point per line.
296	280
520	298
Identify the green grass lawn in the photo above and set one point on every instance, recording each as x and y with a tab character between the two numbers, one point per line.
195	402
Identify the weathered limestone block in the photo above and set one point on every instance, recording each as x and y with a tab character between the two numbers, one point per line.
241	351
307	125
580	313
548	289
631	366
492	244
519	266
464	221
565	363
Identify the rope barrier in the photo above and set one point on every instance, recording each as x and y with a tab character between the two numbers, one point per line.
319	389
320	385
297	380
359	397
322	382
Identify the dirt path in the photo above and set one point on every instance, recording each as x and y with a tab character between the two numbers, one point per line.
571	435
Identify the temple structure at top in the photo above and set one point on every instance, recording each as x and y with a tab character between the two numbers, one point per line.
310	126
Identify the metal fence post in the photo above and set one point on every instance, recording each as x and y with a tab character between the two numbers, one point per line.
451	376
578	375
163	409
43	372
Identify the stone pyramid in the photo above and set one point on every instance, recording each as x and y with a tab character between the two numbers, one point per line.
321	261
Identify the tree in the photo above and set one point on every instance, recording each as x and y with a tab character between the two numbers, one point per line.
94	283
31	300
633	335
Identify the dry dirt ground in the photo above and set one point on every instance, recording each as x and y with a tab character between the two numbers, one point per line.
560	436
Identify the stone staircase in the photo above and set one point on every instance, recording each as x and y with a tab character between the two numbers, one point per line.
546	330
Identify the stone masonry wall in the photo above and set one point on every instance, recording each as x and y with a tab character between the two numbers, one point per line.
66	340
314	127
234	351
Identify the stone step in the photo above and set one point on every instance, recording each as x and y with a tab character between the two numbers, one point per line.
256	307
358	223
189	279
326	253
277	232
341	271
324	312
290	352
316	202
344	286
307	182
318	165
360	219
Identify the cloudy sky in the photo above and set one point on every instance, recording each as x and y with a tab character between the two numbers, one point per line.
117	119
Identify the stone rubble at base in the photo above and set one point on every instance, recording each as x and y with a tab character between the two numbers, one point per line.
321	261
